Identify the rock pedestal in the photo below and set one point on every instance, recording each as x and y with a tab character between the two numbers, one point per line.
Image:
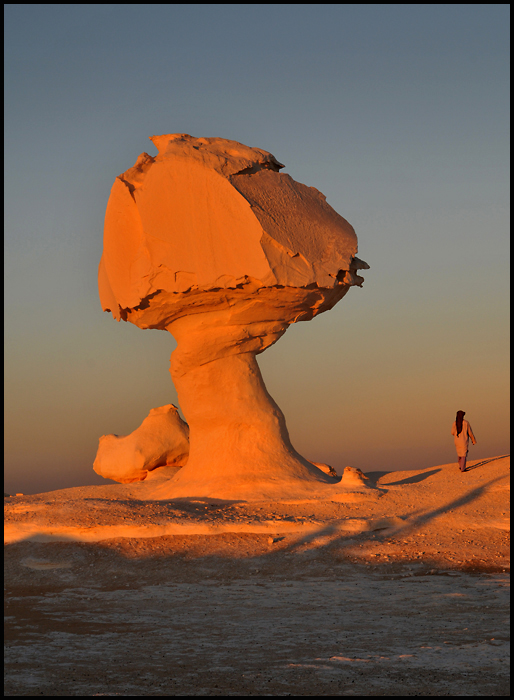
239	443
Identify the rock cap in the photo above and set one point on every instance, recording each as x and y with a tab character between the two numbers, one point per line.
211	214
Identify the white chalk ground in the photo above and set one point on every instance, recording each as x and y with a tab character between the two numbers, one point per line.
398	590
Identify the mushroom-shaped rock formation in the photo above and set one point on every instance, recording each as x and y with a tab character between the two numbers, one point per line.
162	440
209	241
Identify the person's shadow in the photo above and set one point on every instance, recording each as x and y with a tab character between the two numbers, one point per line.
484	461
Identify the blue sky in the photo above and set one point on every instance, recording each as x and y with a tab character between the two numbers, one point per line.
399	114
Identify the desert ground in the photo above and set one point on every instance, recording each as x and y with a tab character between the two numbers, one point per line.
397	589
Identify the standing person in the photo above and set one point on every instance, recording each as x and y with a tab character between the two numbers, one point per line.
461	432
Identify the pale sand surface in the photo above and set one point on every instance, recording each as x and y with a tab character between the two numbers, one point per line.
400	590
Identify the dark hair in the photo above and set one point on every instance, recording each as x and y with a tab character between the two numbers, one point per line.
458	421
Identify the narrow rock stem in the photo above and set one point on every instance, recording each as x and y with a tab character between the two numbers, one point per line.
238	434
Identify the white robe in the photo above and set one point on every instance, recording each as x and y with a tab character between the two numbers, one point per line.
461	441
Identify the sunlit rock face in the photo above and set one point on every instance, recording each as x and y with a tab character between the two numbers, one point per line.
211	214
161	440
209	241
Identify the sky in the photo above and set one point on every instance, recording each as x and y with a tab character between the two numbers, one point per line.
399	114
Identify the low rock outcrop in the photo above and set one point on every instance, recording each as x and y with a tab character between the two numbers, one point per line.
162	440
354	477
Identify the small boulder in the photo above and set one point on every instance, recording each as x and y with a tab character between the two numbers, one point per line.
354	477
161	440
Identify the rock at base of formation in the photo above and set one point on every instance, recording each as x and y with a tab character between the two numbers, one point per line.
161	440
